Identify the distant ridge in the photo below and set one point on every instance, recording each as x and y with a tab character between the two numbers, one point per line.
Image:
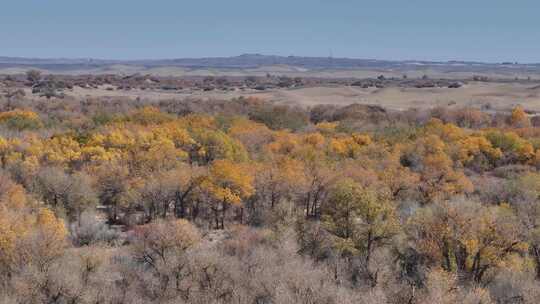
250	61
263	65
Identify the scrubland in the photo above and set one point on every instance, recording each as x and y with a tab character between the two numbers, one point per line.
111	199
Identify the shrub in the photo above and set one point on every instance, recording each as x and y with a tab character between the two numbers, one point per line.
90	230
20	120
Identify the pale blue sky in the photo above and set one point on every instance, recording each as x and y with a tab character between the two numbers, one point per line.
494	30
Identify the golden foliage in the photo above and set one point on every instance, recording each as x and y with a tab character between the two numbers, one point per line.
519	119
20	119
229	182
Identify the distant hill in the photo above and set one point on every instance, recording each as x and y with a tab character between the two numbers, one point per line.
258	61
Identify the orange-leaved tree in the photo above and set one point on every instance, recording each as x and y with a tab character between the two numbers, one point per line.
227	184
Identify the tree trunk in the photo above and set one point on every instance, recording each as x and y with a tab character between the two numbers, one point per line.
223	211
536	253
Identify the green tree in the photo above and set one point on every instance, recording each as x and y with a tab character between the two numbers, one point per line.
362	221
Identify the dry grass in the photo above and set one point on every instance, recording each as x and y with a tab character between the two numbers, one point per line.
498	95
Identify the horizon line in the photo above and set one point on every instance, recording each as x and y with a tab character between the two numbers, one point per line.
265	55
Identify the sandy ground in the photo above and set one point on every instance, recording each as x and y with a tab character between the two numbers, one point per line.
499	95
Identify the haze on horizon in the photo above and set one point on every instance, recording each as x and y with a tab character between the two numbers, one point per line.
487	31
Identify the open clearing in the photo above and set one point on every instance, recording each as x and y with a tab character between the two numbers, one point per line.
499	96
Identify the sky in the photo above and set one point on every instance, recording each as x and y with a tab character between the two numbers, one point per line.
478	30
